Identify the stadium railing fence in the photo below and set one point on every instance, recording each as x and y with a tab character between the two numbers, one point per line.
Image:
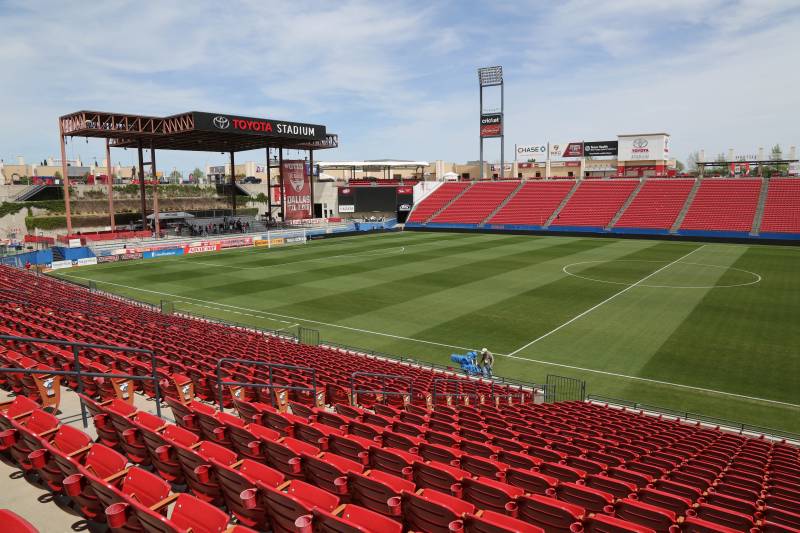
688	416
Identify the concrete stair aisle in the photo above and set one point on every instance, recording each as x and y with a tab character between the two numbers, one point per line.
762	201
627	203
502	204
689	199
448	204
563	203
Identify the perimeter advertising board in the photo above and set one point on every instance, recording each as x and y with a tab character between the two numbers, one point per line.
644	147
297	187
491	125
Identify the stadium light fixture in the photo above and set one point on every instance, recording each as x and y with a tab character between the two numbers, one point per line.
491	123
488	76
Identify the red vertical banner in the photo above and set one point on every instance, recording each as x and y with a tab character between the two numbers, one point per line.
297	188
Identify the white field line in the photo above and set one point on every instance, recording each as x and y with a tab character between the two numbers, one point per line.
268	313
648	380
260	314
368	253
236	251
623	291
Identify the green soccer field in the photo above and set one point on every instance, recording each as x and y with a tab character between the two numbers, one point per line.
705	328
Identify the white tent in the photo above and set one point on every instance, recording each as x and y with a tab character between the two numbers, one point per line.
450	176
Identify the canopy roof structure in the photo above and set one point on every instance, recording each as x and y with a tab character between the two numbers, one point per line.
371	165
196	131
192	131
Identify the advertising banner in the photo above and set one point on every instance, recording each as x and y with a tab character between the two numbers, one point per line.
297	187
261	242
347	208
794	169
405	190
130	256
290	240
108	259
491	125
526	152
163	253
600	148
644	147
560	151
85	261
57	265
211	247
237	243
277	241
75	243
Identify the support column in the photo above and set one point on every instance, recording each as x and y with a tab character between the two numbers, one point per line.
283	190
142	192
502	136
65	179
110	186
311	178
269	186
233	184
156	221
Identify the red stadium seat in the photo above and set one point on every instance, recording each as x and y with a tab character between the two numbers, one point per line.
13	523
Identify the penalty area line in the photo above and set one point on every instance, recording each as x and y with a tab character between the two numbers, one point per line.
619	293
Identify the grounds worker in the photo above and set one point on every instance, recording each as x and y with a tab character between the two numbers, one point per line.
486	362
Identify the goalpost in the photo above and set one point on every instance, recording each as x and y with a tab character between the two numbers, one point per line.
286	237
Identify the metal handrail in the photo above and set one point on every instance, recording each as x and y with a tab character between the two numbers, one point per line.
78	373
270	385
383	377
697	417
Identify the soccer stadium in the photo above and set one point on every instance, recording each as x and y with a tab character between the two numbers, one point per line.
585	336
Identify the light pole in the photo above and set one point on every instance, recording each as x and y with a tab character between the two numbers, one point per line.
492	123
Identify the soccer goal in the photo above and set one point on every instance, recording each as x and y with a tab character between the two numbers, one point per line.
286	237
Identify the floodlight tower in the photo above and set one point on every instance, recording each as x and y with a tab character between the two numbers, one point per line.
492	123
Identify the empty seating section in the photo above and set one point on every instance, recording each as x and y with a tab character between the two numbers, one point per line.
379	464
723	205
533	204
436	200
595	203
657	204
782	209
477	203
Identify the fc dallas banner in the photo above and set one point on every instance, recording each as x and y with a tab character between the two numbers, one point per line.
297	187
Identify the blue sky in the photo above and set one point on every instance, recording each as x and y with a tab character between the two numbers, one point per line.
398	79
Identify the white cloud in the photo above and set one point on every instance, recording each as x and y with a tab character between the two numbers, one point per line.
398	79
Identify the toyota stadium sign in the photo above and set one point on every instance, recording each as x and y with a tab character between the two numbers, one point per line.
264	127
650	147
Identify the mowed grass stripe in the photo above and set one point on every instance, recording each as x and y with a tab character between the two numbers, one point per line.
183	272
412	285
745	339
545	299
476	309
619	337
309	284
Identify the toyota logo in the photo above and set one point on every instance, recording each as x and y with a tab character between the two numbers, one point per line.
639	143
221	122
